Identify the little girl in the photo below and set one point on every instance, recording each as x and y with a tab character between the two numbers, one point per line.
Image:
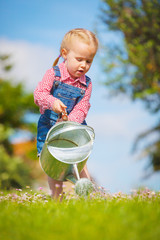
66	89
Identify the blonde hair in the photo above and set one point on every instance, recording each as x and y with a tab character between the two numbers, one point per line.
82	34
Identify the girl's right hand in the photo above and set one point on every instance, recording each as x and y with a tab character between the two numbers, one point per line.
58	106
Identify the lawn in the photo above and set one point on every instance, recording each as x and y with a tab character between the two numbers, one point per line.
28	215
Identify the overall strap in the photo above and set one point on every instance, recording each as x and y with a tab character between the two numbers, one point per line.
87	81
56	71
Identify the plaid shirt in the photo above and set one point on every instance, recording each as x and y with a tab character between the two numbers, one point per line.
44	99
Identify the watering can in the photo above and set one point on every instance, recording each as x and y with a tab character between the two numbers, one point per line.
65	152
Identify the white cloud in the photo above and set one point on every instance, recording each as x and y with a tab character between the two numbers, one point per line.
119	124
30	61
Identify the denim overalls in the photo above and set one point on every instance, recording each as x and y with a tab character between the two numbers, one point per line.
69	95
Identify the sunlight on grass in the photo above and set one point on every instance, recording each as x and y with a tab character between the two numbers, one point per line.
34	215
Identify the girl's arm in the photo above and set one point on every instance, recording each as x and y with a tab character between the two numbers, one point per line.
79	112
42	95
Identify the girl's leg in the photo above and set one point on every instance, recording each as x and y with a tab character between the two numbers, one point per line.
84	173
56	188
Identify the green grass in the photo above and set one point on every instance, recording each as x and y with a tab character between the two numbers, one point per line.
26	216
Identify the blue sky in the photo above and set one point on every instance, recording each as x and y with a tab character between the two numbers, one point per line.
32	31
38	20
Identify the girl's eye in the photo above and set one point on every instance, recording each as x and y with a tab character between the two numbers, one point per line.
87	61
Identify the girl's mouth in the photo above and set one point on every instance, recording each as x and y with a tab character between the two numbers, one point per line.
80	71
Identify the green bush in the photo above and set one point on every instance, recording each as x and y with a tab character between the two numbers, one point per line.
14	173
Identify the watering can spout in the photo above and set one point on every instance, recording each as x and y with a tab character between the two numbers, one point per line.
71	178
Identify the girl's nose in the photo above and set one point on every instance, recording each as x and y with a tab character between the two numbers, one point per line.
83	64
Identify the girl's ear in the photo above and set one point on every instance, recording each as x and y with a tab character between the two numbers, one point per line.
64	53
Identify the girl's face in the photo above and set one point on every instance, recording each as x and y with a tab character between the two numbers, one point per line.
79	58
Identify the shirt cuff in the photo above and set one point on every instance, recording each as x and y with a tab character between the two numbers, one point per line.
75	119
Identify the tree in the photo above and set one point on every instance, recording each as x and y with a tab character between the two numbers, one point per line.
14	103
133	67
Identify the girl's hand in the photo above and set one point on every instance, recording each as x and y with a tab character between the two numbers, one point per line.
58	106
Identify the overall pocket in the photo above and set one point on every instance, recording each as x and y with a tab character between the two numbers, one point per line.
69	101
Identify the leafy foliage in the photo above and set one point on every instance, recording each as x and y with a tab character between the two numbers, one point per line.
13	171
14	103
133	67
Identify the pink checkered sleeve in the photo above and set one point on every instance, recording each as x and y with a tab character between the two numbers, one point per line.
79	112
42	96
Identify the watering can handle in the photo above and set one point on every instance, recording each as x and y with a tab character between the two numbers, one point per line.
63	116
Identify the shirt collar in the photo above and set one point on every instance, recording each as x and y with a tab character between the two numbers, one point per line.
65	75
